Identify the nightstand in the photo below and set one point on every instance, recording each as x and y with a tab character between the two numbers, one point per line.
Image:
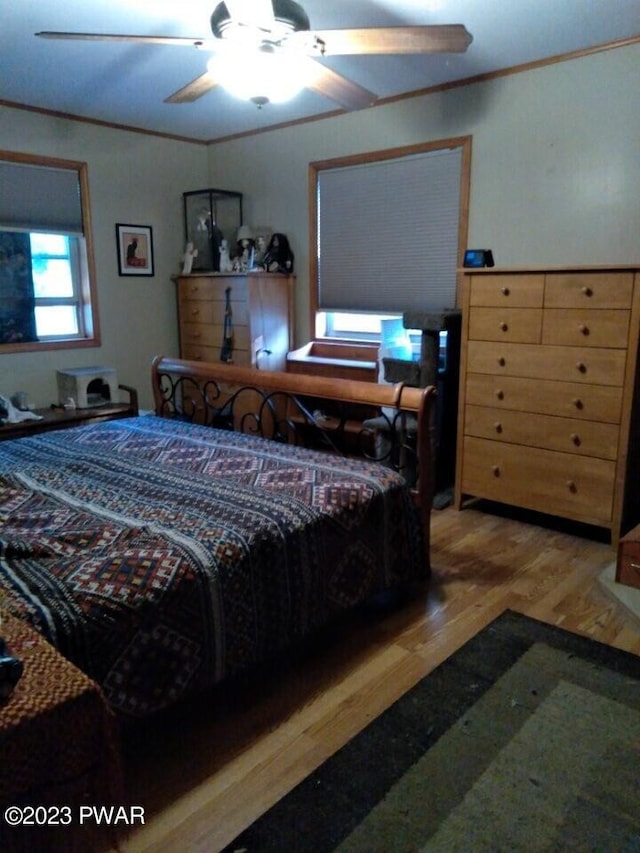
58	418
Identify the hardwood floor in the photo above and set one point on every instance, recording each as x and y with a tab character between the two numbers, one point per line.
202	774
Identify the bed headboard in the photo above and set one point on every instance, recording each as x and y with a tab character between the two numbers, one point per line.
393	424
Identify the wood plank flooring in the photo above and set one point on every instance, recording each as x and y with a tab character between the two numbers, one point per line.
205	772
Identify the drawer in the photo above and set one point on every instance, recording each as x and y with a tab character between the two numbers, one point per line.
212	335
580	327
568	435
588	290
519	291
504	323
213	288
212	311
565	364
197	352
601	403
577	487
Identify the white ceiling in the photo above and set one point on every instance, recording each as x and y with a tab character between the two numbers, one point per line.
125	84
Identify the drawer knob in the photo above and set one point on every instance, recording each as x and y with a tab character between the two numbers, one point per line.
194	288
502	361
584	329
505	291
496	470
575	438
572	486
581	367
195	311
577	402
498	426
500	394
503	326
587	290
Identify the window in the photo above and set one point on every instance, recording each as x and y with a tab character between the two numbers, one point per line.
353	326
390	230
56	285
47	298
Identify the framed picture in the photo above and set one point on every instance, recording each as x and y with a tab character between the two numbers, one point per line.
135	249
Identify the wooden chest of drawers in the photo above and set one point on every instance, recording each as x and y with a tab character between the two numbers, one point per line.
262	312
548	372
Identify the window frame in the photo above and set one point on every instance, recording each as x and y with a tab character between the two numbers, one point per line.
88	319
316	314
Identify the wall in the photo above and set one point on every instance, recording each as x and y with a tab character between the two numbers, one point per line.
554	178
133	178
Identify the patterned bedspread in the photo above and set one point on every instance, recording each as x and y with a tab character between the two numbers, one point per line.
161	557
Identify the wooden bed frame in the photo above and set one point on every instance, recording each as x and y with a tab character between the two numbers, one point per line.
392	424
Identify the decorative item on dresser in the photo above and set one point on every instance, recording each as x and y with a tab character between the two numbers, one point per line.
211	218
262	309
548	392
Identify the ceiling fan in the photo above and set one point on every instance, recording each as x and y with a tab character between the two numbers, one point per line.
278	32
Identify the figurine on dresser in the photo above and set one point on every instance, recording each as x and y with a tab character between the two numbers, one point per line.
261	241
206	237
243	259
278	257
226	264
190	253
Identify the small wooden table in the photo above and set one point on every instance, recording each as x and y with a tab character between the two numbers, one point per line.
58	418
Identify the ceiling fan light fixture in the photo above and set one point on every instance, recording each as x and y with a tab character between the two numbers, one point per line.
262	75
288	17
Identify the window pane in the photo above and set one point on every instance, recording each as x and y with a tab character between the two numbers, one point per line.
51	277
56	320
50	265
49	244
344	323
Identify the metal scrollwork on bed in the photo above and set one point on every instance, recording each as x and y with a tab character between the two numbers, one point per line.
391	424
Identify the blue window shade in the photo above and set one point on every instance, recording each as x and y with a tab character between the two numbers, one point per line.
388	233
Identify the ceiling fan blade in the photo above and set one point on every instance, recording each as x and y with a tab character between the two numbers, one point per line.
176	41
193	90
252	13
441	38
340	89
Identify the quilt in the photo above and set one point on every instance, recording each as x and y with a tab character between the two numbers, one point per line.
161	557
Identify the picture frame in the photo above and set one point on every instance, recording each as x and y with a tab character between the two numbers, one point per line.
135	249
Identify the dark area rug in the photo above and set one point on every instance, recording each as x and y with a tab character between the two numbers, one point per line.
527	738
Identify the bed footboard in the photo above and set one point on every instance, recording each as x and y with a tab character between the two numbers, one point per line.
391	424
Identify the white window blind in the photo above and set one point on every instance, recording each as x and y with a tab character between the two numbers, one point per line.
388	233
40	198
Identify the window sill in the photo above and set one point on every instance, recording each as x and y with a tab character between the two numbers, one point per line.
342	359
